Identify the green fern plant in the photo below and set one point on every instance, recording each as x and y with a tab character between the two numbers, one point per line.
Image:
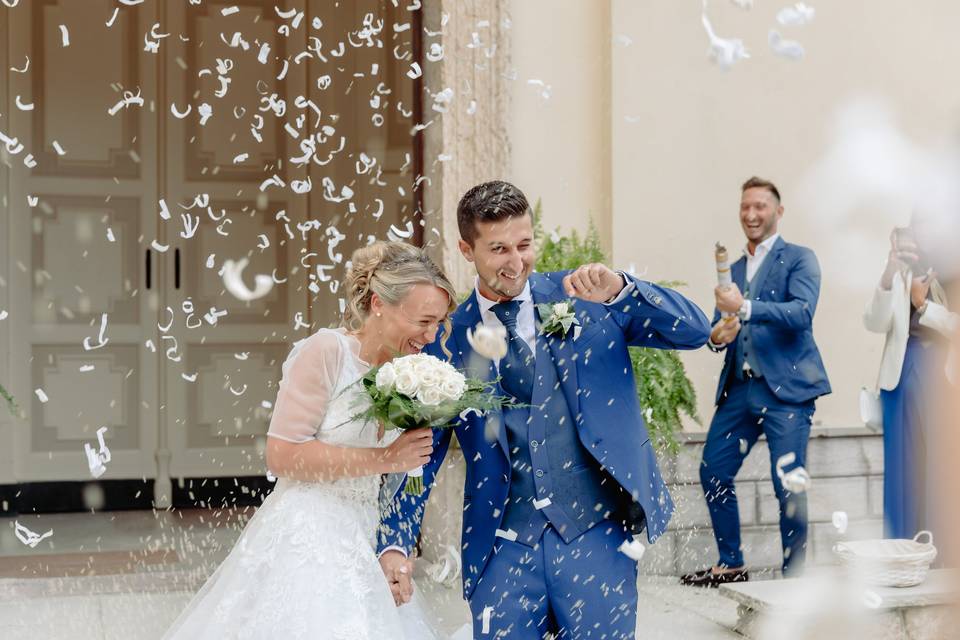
11	404
664	390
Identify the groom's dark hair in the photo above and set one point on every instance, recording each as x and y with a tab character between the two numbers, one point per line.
489	202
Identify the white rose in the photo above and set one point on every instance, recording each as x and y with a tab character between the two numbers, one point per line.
561	309
406	383
404	364
386	376
427	376
452	389
430	396
489	342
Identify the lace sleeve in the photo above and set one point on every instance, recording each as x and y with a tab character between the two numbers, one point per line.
306	388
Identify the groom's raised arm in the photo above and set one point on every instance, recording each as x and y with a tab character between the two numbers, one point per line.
659	317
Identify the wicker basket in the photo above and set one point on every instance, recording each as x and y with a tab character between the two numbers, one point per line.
889	563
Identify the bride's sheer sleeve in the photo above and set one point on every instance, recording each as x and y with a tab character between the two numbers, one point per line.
306	388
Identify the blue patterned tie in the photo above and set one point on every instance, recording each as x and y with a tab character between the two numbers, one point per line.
517	367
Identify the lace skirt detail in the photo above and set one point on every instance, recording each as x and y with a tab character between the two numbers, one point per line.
305	566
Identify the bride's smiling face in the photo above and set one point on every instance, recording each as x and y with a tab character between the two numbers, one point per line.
407	327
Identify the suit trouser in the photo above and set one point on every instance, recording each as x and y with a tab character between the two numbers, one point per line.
584	589
749	409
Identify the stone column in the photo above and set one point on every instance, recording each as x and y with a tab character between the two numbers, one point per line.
465	143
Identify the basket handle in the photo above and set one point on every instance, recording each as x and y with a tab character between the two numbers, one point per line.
929	535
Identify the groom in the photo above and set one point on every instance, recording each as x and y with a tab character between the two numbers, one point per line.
557	484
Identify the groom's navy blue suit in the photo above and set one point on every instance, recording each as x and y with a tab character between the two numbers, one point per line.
553	489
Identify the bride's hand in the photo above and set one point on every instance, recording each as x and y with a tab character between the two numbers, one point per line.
411	450
398	570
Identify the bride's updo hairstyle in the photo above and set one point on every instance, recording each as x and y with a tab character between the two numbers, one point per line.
390	270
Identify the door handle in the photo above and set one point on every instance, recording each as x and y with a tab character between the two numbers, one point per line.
176	269
149	268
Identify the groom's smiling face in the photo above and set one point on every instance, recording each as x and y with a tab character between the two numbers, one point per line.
504	255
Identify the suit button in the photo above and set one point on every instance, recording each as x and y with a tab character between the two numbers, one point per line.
539	473
657	300
534	444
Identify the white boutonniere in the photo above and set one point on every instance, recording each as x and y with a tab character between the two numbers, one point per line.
557	319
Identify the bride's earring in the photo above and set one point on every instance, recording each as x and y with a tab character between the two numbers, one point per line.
379	314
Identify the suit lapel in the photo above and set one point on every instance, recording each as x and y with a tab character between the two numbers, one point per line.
768	263
560	350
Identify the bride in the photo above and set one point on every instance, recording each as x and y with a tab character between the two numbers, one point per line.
305	566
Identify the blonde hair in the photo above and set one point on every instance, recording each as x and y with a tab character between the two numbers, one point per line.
391	270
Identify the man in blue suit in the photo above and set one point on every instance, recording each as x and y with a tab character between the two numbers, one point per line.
772	375
556	485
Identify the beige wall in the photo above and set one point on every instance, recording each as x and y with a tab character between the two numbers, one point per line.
680	135
561	143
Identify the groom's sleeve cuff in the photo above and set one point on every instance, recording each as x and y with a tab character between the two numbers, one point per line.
628	287
393	548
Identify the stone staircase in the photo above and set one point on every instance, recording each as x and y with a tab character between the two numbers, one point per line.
846	466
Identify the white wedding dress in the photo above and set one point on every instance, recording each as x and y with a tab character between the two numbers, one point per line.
305	566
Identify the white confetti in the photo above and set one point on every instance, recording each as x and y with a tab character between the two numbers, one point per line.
796	480
110	235
87	368
241	157
872	600
3	314
32	200
178	114
189	377
633	549
26	536
206	112
58	148
162	248
796	16
102	340
790	49
395	234
724	51
840	521
228	11
126	101
489	342
232	274
23	106
97	460
41	395
744	446
414	71
64	35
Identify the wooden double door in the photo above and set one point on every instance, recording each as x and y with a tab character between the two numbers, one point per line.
169	138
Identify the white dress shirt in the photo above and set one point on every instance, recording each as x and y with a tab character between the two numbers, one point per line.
754	262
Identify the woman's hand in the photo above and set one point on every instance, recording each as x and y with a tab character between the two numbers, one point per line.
920	289
411	450
903	253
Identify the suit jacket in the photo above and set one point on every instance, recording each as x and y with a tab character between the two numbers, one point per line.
783	297
596	378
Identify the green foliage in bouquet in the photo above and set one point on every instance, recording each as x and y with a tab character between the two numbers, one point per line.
397	411
663	387
422	391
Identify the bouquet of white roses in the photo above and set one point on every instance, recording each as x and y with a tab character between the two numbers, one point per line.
421	390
